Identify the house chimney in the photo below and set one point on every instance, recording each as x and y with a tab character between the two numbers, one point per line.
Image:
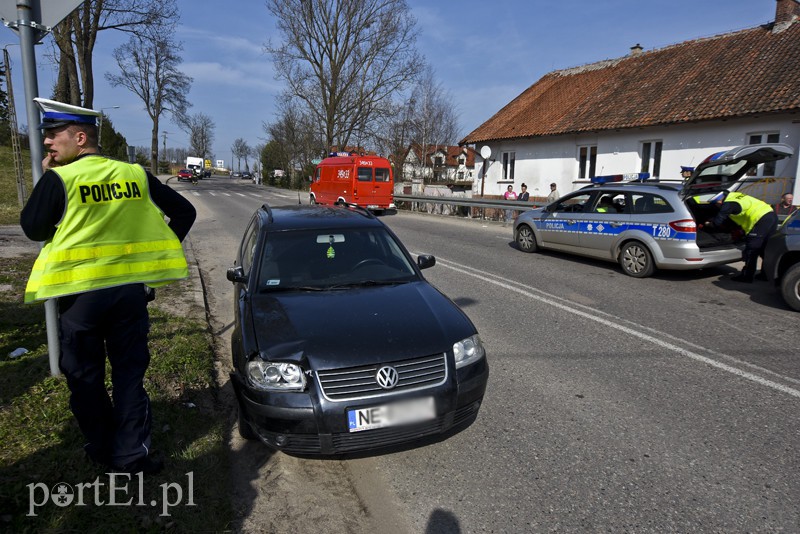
786	11
636	49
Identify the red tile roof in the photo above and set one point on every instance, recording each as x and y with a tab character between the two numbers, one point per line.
740	74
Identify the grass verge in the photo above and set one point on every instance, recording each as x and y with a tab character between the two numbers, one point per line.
42	445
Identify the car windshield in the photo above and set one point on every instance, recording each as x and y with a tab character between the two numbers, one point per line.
317	260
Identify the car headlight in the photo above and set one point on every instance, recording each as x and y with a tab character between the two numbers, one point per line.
468	351
270	376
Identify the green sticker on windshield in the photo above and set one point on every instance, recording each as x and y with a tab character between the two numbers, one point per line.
331	253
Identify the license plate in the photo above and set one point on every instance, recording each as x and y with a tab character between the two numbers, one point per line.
399	413
372	206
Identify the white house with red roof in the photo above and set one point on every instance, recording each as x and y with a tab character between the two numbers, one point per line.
650	111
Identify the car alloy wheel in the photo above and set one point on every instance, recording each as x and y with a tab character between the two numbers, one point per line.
526	241
636	260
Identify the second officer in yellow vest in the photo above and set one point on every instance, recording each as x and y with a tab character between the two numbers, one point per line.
102	224
755	217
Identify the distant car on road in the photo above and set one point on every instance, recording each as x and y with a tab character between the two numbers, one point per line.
246	176
185	175
781	263
644	225
339	343
236	174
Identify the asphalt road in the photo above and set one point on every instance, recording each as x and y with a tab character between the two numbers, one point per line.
667	404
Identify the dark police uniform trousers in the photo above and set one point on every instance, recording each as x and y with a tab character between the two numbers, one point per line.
756	242
109	322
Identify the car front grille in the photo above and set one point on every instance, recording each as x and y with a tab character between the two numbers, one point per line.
360	382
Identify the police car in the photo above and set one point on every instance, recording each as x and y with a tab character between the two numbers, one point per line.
643	224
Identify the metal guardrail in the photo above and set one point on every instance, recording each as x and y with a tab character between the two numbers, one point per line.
422	203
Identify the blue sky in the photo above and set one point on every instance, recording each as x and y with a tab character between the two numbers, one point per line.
484	54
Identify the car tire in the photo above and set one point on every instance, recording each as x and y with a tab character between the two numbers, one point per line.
526	240
244	427
790	287
636	260
312	200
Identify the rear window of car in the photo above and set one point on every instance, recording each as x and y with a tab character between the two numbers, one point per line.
650	203
364	174
381	175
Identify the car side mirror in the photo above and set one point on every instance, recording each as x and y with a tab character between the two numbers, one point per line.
236	274
425	260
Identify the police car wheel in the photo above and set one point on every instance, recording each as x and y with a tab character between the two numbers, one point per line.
636	260
526	241
244	427
790	287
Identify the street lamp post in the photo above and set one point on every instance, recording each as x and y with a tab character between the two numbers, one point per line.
100	128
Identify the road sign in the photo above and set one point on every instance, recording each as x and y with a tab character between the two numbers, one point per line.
42	20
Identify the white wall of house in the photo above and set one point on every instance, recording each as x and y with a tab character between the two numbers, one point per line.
540	161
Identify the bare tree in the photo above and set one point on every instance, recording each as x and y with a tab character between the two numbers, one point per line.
435	122
149	69
345	59
295	131
76	37
240	149
200	128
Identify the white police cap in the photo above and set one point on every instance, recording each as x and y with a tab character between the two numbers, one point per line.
56	114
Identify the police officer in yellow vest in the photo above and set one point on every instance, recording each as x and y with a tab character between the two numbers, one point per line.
102	224
756	218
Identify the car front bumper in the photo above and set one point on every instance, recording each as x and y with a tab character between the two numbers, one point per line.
305	423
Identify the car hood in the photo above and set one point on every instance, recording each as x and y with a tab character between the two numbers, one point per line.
716	173
357	326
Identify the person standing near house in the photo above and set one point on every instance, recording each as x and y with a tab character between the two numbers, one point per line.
102	224
554	194
524	195
755	217
509	195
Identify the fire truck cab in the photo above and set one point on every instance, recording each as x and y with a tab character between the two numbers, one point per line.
363	180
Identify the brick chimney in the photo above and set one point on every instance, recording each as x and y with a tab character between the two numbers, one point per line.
786	11
636	49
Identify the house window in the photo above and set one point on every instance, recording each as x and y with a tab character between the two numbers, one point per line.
437	161
651	158
587	161
509	158
460	175
768	168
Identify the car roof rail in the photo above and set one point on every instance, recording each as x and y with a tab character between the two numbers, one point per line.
266	208
355	207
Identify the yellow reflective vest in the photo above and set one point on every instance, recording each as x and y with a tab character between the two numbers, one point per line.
111	234
752	210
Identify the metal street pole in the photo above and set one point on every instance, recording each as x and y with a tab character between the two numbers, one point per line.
32	24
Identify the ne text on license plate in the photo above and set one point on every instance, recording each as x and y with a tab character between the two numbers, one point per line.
399	413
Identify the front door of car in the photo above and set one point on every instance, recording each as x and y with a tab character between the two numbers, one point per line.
601	225
559	225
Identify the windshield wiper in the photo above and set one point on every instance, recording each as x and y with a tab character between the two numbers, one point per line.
277	289
367	283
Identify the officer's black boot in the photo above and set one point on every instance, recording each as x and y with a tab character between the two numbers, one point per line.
749	270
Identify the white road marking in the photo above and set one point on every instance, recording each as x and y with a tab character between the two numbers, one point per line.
638	331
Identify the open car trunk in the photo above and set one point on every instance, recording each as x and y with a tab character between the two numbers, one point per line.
727	235
725	171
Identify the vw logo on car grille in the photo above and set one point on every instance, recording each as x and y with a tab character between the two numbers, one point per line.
387	377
